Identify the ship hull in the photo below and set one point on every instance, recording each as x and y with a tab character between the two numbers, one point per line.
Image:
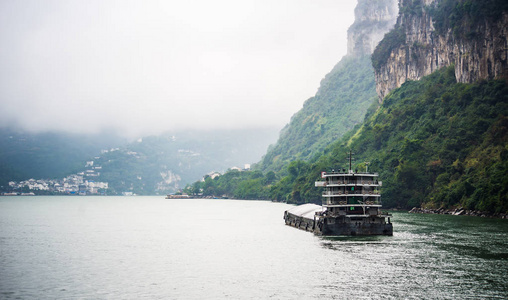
299	222
340	226
354	229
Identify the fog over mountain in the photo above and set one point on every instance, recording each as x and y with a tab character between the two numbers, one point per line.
145	67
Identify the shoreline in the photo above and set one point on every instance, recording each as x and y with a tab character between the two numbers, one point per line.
458	212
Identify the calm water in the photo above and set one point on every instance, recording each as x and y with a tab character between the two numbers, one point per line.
152	248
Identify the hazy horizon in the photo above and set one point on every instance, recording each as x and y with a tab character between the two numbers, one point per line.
146	67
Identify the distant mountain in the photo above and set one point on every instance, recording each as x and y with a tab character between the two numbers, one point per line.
25	155
166	163
150	165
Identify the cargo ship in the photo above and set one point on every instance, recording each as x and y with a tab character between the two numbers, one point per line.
351	206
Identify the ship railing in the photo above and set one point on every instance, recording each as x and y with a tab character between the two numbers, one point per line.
339	193
353	204
340	182
349	173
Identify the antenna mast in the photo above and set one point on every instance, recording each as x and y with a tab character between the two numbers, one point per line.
350	160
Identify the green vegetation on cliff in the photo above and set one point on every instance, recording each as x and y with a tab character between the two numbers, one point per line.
341	102
435	142
463	16
391	41
439	143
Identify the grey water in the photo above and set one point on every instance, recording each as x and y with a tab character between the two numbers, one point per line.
153	248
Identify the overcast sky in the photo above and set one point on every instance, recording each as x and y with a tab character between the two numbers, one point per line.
144	67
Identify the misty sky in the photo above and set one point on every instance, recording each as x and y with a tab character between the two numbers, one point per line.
144	67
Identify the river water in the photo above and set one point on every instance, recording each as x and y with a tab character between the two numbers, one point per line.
153	248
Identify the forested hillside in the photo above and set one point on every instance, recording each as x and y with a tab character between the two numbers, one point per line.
440	137
438	143
151	165
25	155
166	163
434	142
340	103
344	95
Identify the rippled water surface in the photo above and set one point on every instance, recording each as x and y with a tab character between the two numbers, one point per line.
153	248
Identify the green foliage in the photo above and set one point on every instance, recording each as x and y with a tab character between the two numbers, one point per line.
341	102
439	143
462	16
235	184
412	7
164	164
391	41
153	165
296	187
434	142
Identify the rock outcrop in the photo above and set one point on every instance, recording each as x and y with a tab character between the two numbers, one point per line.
477	47
373	18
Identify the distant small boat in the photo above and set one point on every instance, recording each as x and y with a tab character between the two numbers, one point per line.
183	196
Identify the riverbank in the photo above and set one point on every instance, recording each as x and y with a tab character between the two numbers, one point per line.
458	212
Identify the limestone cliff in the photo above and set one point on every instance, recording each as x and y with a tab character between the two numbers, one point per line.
373	18
431	34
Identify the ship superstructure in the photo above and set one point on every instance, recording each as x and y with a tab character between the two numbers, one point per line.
351	205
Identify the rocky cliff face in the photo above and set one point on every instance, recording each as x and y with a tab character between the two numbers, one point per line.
477	49
373	18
